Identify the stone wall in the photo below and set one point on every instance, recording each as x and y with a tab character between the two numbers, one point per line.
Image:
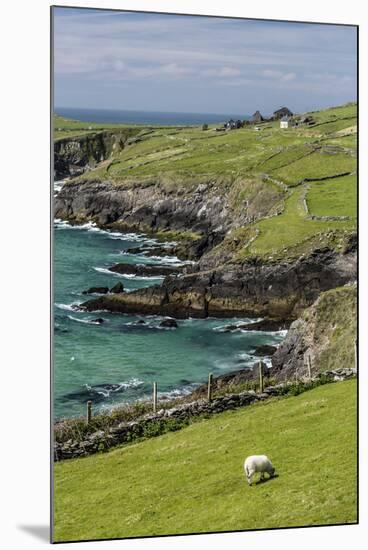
127	431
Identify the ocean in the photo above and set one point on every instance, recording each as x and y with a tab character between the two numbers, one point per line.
105	116
118	361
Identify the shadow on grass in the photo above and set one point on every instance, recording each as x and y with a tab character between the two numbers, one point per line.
266	480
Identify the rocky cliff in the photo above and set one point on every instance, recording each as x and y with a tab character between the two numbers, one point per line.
75	155
326	332
279	291
201	205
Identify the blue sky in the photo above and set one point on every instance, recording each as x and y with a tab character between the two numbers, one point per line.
124	60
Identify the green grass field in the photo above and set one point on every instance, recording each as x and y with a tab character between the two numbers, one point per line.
336	197
193	480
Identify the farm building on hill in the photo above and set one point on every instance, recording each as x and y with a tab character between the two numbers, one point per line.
256	118
284	122
232	124
280	113
288	122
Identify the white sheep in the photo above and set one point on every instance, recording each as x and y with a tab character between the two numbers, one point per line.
258	463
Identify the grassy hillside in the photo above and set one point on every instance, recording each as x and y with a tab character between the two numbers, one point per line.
69	128
193	480
301	174
192	152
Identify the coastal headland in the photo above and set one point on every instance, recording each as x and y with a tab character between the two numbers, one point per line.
266	219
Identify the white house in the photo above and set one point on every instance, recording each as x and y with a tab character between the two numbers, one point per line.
284	122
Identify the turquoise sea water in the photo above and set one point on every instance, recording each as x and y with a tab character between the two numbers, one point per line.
116	361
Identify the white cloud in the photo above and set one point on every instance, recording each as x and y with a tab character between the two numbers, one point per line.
270	73
288	76
221	72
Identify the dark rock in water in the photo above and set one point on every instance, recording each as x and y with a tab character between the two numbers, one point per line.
119	287
265	349
59	329
267	325
98	321
96	290
169	323
144	270
230	328
140	322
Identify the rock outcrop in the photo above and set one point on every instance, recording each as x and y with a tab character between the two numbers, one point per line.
168	323
118	288
96	290
201	206
142	270
75	155
326	332
146	207
278	291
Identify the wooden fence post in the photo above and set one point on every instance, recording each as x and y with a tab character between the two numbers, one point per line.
261	385
209	390
89	411
309	363
154	396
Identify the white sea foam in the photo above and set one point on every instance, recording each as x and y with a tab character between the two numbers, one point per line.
57	186
224	328
267	361
85	321
281	333
106	271
238	328
128	275
64	224
163	260
143	278
94	228
68	307
61	224
106	392
223	365
246	356
177	392
168	260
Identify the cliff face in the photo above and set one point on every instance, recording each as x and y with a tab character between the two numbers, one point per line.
279	291
145	207
75	155
326	332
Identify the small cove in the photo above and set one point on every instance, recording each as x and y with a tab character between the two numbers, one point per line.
118	360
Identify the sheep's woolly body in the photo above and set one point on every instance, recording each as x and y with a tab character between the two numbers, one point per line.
258	463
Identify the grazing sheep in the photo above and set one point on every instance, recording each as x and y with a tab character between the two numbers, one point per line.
258	463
